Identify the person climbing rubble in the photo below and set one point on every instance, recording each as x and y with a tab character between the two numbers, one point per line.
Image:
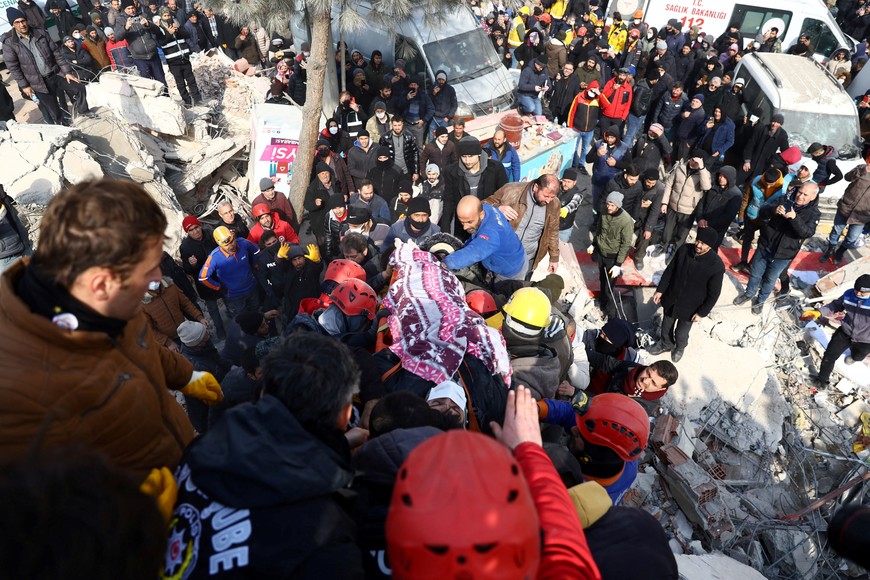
852	311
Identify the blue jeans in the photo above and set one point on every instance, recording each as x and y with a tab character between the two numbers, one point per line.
565	235
764	270
583	147
152	69
250	301
531	105
852	233
633	126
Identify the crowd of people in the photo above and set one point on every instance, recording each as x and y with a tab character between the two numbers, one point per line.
376	387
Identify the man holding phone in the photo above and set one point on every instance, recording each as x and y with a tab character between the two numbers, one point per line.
791	222
136	30
417	109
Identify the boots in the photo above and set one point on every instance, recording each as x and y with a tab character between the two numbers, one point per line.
838	255
827	255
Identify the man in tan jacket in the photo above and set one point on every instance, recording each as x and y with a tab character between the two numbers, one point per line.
165	306
532	208
683	190
80	364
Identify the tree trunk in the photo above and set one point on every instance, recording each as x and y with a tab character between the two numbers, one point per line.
316	71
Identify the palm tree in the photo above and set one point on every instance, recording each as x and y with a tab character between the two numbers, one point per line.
276	15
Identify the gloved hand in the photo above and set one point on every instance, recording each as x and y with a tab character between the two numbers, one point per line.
313	253
580	402
590	249
283	250
615	271
563	213
161	485
204	386
811	315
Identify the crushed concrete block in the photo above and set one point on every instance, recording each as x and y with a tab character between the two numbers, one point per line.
697	548
715	566
139	172
131	85
158	113
38	187
675	546
78	165
57	135
13	164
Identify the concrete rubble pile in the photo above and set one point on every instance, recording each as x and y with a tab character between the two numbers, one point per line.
744	450
184	157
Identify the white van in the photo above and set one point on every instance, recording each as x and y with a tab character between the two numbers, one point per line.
814	105
752	16
459	47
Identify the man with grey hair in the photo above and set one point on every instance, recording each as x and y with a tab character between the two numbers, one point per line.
791	222
229	218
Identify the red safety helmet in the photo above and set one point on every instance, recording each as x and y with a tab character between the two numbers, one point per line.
355	297
617	422
476	519
481	302
340	270
634	33
259	210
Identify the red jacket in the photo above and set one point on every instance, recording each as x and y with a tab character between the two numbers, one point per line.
565	553
281	228
583	115
618	100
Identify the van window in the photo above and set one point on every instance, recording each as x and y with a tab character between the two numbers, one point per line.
821	36
408	50
463	56
751	19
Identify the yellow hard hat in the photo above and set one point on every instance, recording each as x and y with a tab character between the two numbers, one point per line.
530	307
223	236
525	10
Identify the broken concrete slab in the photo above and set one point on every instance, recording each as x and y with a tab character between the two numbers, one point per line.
13	165
139	172
57	135
137	105
131	85
78	165
37	187
714	566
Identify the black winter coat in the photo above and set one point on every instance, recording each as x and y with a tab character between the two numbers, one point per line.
456	187
317	213
385	181
259	493
564	91
199	249
691	284
208	359
301	284
410	151
647	153
786	236
719	206
762	146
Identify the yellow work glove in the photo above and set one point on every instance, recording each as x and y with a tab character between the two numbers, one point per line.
161	485
563	213
204	386
313	253
283	250
811	315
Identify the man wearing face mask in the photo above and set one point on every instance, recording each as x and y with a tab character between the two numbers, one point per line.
360	221
384	175
165	306
368	199
688	291
351	119
378	124
416	226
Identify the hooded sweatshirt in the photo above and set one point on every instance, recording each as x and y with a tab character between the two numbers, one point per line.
257	497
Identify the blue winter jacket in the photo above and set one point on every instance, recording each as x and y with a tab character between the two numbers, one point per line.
601	171
495	245
723	138
756	196
511	160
